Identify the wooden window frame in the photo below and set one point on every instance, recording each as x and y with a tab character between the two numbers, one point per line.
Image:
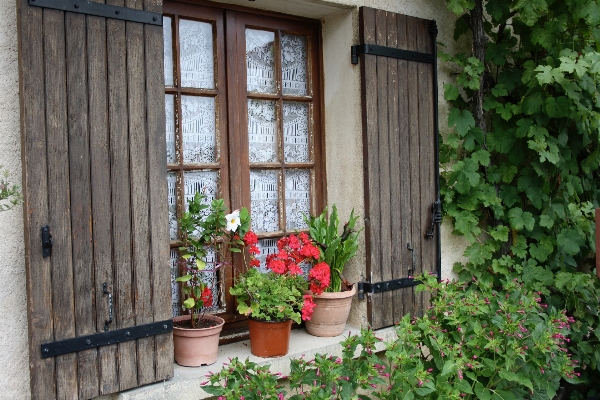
229	24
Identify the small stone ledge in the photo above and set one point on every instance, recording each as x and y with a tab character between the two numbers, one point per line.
186	381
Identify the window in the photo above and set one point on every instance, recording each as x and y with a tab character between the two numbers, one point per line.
242	100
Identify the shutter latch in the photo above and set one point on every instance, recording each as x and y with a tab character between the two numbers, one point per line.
436	218
46	242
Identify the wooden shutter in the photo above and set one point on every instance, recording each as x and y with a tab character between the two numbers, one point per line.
399	98
92	111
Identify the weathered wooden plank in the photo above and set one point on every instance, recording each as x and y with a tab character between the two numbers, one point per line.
370	145
33	139
382	196
426	123
405	220
136	96
101	189
157	192
121	196
395	221
413	125
80	201
58	195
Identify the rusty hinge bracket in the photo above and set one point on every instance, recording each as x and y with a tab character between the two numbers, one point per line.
101	10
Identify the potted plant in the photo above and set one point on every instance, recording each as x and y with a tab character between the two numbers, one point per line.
206	228
274	299
336	249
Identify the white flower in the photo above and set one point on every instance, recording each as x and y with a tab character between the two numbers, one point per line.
233	221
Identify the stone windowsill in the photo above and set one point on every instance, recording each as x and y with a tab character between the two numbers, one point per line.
186	381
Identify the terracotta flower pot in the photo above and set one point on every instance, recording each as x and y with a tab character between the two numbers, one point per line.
196	347
330	314
269	338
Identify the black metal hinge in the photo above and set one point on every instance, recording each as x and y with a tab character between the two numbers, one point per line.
384	51
103	339
367	287
101	10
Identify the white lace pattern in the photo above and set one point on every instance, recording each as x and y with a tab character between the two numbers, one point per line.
293	60
198	126
168	50
196	54
264	200
260	63
295	132
297	198
262	131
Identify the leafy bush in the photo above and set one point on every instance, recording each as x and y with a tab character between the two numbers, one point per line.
522	155
473	342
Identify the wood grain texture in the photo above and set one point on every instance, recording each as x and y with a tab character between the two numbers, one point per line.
416	237
371	144
121	197
80	200
428	148
383	196
101	189
35	186
157	193
58	196
138	150
405	265
395	226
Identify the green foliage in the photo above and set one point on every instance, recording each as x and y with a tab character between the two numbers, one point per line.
204	229
473	342
270	296
244	380
10	194
534	192
336	249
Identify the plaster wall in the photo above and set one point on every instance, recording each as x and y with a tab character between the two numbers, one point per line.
14	353
343	143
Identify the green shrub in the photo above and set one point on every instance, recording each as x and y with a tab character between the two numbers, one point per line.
473	342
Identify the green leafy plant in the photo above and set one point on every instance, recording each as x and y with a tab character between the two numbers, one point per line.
477	342
270	296
10	194
206	229
244	380
336	249
522	159
473	342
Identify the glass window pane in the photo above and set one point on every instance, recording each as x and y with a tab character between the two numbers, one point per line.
266	247
168	50
264	200
172	198
295	132
293	64
198	126
262	131
196	54
206	182
170	127
260	62
297	198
